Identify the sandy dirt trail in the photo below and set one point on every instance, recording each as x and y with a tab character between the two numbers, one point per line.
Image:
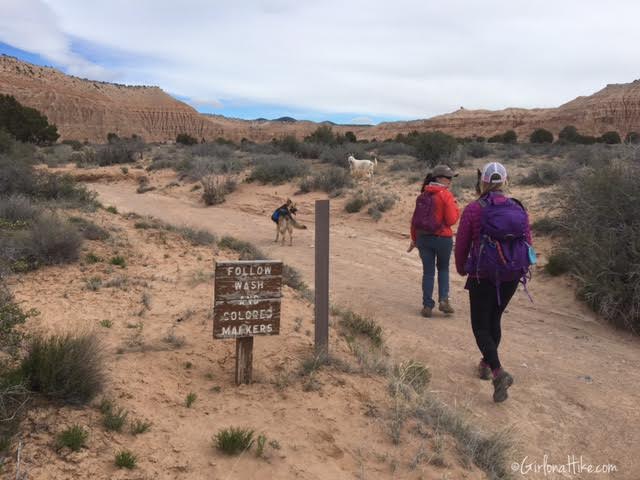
577	380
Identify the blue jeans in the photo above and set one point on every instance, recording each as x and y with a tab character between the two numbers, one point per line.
434	251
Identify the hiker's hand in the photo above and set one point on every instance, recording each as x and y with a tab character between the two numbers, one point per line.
412	245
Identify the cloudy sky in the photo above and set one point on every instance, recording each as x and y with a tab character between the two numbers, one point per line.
350	61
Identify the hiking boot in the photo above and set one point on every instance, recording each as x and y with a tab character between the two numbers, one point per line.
445	307
484	371
501	383
426	312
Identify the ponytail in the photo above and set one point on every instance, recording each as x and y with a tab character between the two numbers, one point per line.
427	180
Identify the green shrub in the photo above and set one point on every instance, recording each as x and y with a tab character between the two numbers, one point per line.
632	137
477	149
118	261
76	145
278	169
74	437
540	135
431	147
24	123
69	367
233	441
542	175
126	459
508	137
610	138
186	139
569	134
323	134
11	316
355	203
559	263
112	209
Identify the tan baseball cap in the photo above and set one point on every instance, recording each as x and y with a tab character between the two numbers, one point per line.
443	171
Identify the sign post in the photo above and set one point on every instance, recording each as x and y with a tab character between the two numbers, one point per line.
246	303
322	279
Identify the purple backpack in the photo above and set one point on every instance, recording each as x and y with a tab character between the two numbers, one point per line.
424	216
503	254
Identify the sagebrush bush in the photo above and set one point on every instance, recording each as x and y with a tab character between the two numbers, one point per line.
546	225
378	200
121	150
216	188
278	169
331	180
88	229
558	263
602	224
355	203
50	240
477	149
338	154
396	148
17	208
233	441
69	367
543	175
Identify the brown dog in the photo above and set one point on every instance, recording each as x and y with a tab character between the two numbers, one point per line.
286	223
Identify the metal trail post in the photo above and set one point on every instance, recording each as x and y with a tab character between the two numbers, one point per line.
322	279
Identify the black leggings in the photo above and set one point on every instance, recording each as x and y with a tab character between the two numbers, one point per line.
486	315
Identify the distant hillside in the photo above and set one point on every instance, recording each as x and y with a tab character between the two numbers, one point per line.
88	110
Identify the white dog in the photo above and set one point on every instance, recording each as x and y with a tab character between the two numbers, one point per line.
359	167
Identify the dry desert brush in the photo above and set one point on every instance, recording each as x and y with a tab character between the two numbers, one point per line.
601	241
69	366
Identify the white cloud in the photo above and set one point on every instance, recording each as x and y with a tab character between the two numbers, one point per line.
32	26
408	58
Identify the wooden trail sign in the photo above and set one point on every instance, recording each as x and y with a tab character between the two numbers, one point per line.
246	303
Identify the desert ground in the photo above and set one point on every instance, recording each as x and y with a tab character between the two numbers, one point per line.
577	379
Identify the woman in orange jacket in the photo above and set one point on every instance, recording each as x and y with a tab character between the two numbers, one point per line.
435	213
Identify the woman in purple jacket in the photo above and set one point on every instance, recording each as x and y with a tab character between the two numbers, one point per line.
488	298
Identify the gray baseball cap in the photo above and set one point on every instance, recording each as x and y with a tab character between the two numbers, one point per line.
443	171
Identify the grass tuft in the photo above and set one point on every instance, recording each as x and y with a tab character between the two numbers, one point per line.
126	459
233	441
74	437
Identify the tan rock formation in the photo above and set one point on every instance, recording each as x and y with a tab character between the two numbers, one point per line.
88	110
